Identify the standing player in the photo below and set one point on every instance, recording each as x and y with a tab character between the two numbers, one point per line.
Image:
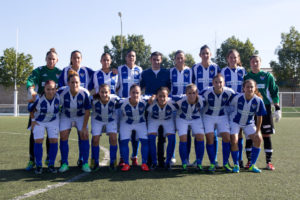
234	75
104	75
188	114
129	74
86	81
44	113
270	93
203	74
215	117
75	108
133	118
153	79
35	85
245	106
103	107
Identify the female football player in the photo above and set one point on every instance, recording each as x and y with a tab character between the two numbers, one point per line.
44	113
75	109
245	106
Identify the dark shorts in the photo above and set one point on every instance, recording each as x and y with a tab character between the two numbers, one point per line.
267	126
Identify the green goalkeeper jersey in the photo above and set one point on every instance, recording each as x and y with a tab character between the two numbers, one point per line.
266	86
40	75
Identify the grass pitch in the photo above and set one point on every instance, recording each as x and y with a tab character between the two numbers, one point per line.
283	183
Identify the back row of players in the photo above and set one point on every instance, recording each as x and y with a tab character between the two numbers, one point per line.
204	113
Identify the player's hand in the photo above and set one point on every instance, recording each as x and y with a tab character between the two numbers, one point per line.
151	99
114	71
84	132
31	94
277	113
33	124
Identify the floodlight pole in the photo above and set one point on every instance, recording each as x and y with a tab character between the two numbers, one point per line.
120	15
16	91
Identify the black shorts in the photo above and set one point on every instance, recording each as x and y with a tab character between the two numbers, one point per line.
267	125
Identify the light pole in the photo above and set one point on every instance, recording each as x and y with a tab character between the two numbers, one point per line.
16	91
120	15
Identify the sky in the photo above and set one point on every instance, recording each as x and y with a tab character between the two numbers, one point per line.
167	25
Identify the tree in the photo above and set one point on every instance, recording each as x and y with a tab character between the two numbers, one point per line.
287	69
8	64
169	62
245	49
132	42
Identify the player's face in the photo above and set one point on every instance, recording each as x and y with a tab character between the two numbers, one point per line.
162	97
156	61
255	64
130	58
192	94
50	90
105	61
205	55
249	88
180	59
76	59
74	83
51	60
233	59
135	94
218	83
104	94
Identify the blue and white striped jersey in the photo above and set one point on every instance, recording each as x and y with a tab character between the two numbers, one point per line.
244	111
189	111
45	110
128	77
234	78
74	106
111	79
104	112
215	104
85	75
179	81
132	114
157	113
202	77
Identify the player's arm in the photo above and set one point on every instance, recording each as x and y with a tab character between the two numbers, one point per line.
32	81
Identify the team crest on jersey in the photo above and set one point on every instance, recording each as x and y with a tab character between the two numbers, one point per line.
212	72
224	99
174	75
186	75
262	78
253	106
100	77
45	75
240	73
82	75
136	73
240	104
80	102
56	105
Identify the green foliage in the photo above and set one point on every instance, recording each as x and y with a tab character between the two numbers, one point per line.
246	49
8	64
287	70
132	42
169	62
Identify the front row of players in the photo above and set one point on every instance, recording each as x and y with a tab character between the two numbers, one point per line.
216	107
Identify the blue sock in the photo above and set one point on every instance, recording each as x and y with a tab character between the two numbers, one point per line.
170	147
174	147
64	151
241	144
135	146
152	148
216	144
124	150
95	153
80	156
38	154
183	152
235	156
53	147
199	149
85	150
189	144
145	150
254	155
211	153
226	151
113	153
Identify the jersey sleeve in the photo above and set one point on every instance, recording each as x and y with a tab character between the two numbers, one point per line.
142	80
61	79
261	109
87	102
91	78
33	79
31	106
273	88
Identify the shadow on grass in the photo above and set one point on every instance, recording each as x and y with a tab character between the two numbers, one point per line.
135	173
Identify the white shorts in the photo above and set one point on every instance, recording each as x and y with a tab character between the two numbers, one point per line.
126	130
51	127
221	123
195	124
97	126
66	123
168	125
248	129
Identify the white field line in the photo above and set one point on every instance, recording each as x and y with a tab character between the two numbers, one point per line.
50	187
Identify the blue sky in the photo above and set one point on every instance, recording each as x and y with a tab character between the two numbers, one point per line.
166	25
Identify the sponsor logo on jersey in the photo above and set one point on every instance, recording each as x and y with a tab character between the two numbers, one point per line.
45	75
